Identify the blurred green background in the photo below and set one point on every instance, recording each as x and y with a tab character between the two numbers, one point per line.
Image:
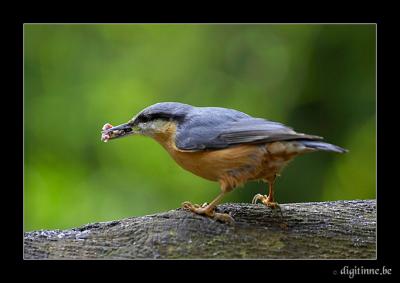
319	79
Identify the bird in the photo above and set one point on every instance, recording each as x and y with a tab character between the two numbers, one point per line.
222	145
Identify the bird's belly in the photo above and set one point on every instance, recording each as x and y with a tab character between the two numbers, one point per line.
215	165
236	165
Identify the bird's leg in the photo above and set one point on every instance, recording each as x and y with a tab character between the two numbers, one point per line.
268	200
209	209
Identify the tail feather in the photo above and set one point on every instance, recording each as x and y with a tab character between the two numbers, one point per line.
323	146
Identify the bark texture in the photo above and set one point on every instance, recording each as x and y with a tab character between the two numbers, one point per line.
323	230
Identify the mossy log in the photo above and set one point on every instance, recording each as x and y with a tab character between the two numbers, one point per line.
334	230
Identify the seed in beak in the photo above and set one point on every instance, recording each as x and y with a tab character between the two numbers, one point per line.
107	126
105	137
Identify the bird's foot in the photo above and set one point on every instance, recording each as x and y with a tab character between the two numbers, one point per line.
208	211
204	204
265	200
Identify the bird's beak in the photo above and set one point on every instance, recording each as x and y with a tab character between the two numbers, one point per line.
109	132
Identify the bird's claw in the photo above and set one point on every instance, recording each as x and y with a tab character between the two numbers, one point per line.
196	208
256	198
204	210
265	200
189	206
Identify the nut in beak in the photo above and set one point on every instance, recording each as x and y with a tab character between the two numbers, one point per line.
109	132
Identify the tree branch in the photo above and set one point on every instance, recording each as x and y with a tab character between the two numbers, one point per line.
335	230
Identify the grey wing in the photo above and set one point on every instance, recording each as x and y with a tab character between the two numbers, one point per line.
200	136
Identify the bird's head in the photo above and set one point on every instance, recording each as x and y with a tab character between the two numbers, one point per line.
149	121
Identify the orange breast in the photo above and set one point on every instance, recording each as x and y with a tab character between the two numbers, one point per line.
231	166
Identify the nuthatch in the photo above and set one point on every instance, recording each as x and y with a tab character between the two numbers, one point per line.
222	145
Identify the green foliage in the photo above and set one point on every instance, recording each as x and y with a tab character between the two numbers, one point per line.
319	79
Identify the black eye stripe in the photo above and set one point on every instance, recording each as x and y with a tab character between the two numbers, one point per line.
151	117
144	118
